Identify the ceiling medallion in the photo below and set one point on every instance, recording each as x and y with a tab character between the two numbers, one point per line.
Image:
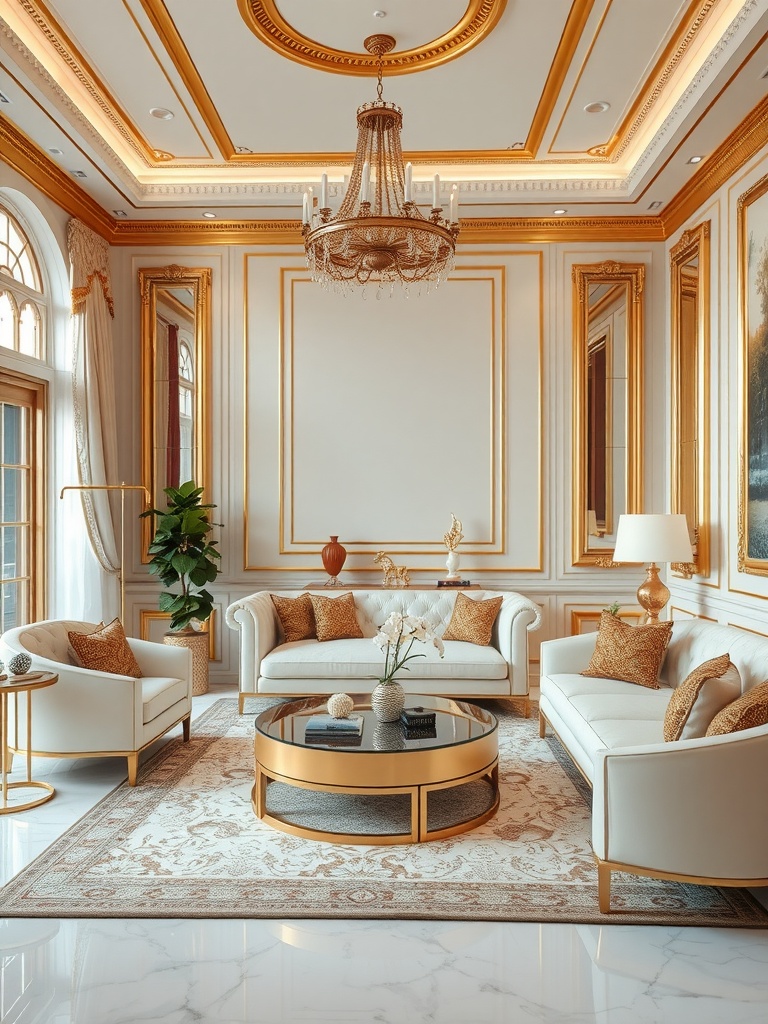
266	21
379	234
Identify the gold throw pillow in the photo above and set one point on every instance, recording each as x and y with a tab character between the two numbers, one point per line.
296	617
631	653
106	650
750	710
702	694
335	617
472	621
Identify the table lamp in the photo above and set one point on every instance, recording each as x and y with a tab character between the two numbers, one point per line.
652	538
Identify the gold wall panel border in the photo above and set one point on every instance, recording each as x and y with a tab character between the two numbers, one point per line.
694	243
147	617
579	616
539	568
264	19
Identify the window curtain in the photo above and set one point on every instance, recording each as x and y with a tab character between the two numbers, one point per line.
173	442
94	413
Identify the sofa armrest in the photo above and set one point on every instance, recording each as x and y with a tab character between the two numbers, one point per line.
162	659
692	807
517	617
567	654
256	619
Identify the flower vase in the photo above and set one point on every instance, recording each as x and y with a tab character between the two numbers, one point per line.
387	701
452	565
333	555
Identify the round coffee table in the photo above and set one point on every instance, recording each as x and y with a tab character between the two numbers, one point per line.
385	762
16	685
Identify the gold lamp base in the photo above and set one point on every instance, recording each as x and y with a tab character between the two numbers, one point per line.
652	594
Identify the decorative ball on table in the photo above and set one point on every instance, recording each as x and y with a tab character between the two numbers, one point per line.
339	705
20	664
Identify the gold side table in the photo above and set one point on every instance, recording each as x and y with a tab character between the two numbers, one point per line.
14	686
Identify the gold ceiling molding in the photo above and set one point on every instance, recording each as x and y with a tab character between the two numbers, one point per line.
45	22
22	155
740	146
660	76
265	21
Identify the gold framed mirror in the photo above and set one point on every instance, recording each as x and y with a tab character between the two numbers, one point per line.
689	268
607	404
175	358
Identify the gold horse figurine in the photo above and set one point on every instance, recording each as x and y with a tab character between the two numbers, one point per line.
394	575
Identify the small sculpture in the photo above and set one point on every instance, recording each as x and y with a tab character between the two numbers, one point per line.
20	664
452	540
339	705
394	575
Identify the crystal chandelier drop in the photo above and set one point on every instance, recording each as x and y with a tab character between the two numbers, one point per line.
379	235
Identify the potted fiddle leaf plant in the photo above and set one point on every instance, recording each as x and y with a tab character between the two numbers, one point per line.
185	559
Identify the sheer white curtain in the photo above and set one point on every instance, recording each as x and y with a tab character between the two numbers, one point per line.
95	424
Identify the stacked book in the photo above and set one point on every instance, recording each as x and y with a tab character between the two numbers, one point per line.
337	732
418	723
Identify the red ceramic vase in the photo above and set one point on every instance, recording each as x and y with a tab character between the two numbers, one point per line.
333	556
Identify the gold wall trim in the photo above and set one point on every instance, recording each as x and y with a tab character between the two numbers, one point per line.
740	146
22	155
147	617
264	19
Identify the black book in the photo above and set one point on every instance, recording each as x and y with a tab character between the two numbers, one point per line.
420	733
454	583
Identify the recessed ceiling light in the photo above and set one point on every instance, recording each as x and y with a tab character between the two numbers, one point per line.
120	213
4	98
379	14
598	107
655	205
54	151
162	113
559	211
209	215
78	174
695	159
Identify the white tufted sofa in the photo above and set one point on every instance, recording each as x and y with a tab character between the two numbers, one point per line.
95	714
270	666
691	810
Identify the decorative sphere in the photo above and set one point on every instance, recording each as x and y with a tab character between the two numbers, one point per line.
20	664
339	705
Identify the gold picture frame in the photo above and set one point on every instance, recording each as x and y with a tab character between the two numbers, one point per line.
752	248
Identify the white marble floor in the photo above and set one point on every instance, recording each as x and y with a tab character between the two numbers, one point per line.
308	972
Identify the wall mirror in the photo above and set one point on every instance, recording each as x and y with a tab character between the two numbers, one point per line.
607	404
175	354
689	266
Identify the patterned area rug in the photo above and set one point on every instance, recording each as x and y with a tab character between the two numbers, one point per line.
185	843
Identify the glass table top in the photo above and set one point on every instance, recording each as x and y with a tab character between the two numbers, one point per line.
456	722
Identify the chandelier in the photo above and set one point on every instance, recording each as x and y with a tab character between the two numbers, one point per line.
379	234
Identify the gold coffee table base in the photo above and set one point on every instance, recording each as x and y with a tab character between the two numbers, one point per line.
415	772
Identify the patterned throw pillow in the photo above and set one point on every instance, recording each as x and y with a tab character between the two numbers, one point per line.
701	695
472	621
750	710
296	617
631	653
106	650
335	617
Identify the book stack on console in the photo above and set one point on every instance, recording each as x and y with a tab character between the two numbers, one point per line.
336	732
454	583
418	723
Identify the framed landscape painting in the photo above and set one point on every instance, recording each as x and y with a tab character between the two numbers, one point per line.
753	285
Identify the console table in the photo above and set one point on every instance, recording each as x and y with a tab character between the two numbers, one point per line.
14	686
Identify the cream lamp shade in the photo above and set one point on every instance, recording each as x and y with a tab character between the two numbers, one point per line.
652	538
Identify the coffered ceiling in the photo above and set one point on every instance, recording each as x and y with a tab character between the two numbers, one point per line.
148	110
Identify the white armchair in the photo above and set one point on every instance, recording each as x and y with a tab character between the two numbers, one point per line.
95	714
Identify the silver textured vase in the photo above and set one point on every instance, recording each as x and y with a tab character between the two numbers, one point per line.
387	701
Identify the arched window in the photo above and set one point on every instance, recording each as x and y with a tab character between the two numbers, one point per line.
22	302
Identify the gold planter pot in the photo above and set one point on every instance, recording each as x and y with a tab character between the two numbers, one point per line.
196	642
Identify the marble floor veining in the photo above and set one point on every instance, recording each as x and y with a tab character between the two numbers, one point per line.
311	971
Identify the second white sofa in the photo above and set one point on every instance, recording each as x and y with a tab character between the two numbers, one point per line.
307	667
